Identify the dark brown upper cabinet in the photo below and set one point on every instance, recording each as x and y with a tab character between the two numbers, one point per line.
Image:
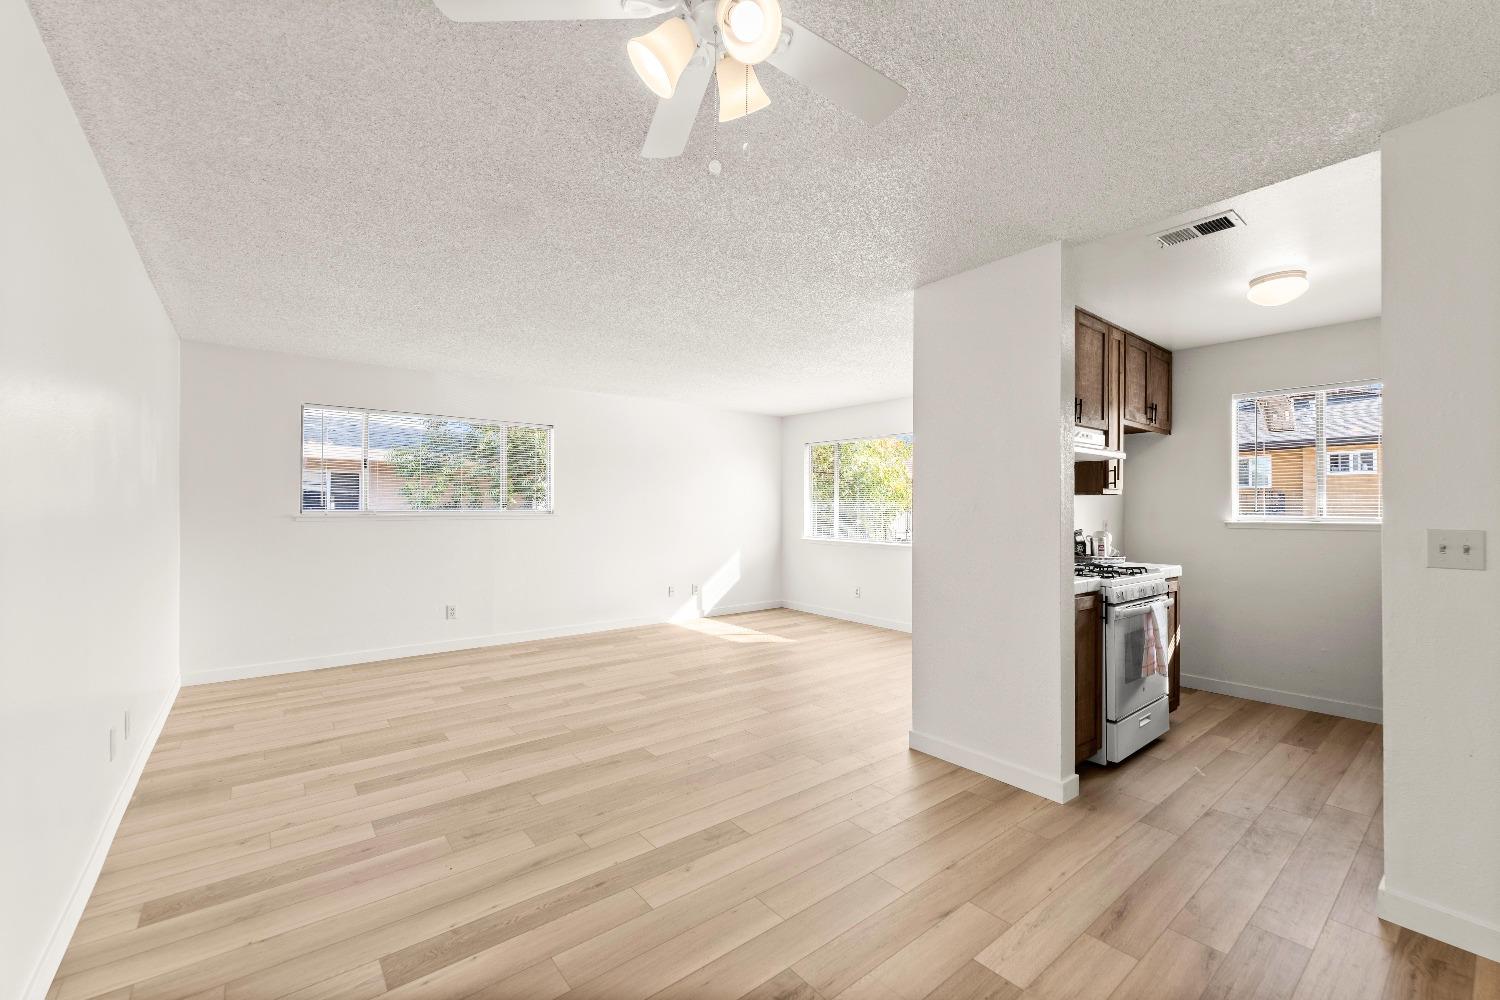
1091	373
1122	384
1146	402
1133	399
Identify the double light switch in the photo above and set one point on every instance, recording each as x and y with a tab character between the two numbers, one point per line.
1451	549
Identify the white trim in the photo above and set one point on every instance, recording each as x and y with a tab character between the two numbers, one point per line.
848	616
1462	930
856	541
1307	525
357	656
1290	699
62	934
476	514
1056	789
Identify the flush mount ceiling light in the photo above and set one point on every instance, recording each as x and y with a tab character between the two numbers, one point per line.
1277	288
740	92
660	55
677	58
750	29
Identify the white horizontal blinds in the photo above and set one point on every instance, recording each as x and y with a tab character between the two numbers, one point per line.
379	462
528	463
1275	456
1308	454
332	458
1353	417
861	490
820	489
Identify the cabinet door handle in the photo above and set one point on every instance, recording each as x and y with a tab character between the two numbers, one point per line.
1077	408
1151	412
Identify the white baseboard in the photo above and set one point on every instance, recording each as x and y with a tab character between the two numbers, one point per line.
848	616
62	933
293	666
1058	790
1458	929
1291	699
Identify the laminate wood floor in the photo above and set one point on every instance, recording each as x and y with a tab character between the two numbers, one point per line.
728	810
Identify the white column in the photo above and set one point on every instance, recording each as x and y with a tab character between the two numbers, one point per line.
1440	341
992	685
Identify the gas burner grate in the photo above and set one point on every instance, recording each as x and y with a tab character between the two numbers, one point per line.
1108	571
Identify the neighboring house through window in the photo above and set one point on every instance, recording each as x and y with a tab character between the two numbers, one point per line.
1309	454
860	490
372	461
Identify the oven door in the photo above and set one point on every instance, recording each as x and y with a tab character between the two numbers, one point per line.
1131	679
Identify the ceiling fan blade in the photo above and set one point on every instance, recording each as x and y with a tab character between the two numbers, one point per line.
549	10
673	121
838	76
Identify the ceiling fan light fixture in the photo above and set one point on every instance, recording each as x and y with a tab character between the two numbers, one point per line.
660	55
750	29
740	92
1277	288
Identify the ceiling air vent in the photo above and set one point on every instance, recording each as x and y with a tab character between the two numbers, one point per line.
1203	227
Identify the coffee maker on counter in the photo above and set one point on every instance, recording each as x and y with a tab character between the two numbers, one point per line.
1099	545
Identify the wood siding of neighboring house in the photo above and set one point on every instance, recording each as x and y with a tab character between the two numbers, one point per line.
1294	484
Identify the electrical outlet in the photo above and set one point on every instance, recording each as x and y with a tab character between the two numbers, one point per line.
111	743
127	725
695	588
671	590
1453	549
450	612
857	594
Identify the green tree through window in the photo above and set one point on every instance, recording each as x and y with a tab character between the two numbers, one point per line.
861	490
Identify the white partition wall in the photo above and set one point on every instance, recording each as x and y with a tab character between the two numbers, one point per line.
1440	339
992	574
88	516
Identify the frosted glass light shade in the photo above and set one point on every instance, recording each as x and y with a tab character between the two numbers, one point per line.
749	29
737	83
1277	288
660	55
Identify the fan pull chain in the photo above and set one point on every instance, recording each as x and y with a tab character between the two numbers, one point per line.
715	165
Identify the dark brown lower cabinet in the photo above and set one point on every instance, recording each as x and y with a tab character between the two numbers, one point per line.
1088	699
1174	633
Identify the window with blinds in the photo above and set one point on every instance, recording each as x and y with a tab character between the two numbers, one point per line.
860	490
1308	454
370	461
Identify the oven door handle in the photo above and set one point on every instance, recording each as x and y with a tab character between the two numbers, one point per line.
1132	610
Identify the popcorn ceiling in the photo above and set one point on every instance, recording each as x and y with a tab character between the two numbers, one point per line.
369	181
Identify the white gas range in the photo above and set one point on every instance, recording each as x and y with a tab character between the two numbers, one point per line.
1135	650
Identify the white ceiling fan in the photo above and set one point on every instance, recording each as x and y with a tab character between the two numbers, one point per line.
726	38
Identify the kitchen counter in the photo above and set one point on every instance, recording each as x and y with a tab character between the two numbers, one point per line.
1090	584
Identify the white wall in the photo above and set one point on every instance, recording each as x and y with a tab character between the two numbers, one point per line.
1440	339
821	576
1093	514
1288	615
993	566
648	494
88	518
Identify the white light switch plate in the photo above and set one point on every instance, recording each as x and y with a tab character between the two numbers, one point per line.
1451	549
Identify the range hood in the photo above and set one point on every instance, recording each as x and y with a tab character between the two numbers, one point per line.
1088	446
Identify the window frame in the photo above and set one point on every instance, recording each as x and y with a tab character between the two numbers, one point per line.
330	513
807	535
1319	392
